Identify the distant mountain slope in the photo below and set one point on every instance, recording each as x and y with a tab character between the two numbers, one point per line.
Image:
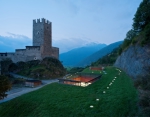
72	57
95	56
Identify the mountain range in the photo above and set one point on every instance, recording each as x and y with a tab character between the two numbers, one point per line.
72	57
95	56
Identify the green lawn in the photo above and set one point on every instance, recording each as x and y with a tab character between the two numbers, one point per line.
87	70
59	100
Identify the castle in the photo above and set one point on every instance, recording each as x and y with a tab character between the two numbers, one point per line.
42	44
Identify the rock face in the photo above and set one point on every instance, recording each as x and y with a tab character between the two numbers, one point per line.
135	61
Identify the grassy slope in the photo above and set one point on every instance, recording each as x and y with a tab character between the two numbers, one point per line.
65	100
87	70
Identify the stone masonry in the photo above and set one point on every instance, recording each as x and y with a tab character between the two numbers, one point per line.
42	44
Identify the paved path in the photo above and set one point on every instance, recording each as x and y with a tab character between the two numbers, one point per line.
20	91
19	76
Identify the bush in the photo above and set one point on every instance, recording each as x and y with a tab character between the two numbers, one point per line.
5	63
120	51
143	84
134	41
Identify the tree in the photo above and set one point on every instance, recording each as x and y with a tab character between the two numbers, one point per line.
142	16
4	86
130	34
5	65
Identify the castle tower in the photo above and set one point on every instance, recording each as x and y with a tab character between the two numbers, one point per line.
42	36
42	33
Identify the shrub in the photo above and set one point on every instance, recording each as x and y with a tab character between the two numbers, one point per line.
134	41
143	84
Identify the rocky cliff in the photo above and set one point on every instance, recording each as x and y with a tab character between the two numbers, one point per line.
135	61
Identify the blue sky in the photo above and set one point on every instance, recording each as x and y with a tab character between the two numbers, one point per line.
75	22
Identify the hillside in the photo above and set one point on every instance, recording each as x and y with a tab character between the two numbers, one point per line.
135	51
59	100
134	56
72	57
46	69
97	55
108	59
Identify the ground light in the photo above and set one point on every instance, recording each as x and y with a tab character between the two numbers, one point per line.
107	87
83	84
104	91
91	106
97	99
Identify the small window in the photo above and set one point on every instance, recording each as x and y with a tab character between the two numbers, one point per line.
38	32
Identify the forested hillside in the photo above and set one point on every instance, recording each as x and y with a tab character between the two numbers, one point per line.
134	56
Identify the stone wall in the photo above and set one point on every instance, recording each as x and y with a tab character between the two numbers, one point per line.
6	55
28	54
55	52
135	61
33	53
48	33
38	32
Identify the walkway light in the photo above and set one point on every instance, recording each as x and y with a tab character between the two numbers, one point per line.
91	106
97	99
104	91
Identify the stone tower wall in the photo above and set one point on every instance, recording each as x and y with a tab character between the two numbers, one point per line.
42	33
55	52
42	36
38	32
47	39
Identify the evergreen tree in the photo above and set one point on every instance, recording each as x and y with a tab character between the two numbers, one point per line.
142	16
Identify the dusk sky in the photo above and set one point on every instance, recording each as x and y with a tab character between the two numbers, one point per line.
75	22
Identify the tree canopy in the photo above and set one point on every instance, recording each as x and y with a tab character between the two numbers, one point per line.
142	16
4	86
5	65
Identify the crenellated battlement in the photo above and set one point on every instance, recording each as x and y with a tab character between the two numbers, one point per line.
42	20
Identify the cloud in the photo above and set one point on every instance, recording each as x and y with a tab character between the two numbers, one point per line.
13	41
10	42
67	44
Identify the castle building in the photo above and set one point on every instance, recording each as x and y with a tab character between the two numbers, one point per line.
42	44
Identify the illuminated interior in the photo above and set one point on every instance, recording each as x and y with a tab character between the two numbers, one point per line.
80	80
